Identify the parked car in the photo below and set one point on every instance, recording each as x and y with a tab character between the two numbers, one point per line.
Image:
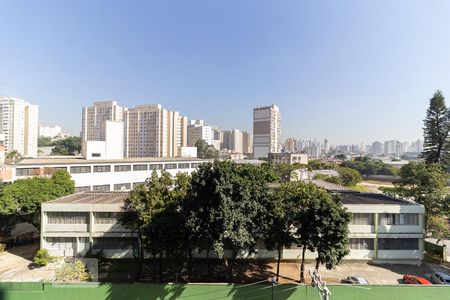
411	279
355	280
440	278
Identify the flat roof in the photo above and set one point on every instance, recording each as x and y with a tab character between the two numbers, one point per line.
91	198
76	160
332	187
372	198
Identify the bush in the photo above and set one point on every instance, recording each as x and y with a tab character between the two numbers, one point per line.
42	258
73	272
2	248
349	177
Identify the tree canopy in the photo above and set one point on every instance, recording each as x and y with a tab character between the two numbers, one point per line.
206	151
68	146
367	166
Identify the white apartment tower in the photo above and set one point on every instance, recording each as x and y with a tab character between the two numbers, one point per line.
19	125
266	131
95	116
152	131
198	130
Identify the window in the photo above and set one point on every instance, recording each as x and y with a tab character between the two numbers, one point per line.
82	189
122	186
101	188
360	244
195	165
362	219
81	169
140	167
99	169
27	171
105	217
67	217
170	166
61	243
183	166
155	167
399	219
122	168
112	243
398	244
96	155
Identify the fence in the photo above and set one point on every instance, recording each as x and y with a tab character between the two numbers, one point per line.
48	291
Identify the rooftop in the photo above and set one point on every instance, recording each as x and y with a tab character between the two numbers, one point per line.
92	198
372	198
77	160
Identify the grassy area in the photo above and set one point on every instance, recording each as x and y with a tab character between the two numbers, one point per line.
376	182
359	188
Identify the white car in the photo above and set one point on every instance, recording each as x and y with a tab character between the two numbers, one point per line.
355	280
440	278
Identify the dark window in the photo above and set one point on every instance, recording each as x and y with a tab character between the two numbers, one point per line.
106	217
170	166
195	165
82	189
27	171
398	244
101	188
122	168
98	169
183	166
96	155
155	166
360	244
122	186
362	219
67	217
81	169
140	167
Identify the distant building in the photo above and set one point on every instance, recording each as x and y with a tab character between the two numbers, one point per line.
49	131
19	124
290	145
233	140
247	143
266	131
288	158
198	130
377	148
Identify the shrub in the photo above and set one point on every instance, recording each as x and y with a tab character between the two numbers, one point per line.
2	248
42	258
349	177
73	272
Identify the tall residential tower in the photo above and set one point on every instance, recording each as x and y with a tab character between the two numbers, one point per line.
266	131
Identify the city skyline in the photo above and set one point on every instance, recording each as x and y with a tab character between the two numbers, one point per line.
318	63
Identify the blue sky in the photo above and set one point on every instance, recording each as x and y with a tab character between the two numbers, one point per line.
351	71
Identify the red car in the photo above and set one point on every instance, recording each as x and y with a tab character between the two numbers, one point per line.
411	279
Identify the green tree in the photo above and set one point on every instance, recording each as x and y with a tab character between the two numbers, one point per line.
227	206
44	141
26	195
13	156
68	146
437	227
425	184
436	130
314	212
206	151
349	177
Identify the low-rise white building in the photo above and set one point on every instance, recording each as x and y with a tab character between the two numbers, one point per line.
288	158
103	175
383	229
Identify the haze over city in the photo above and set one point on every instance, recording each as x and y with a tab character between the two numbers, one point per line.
351	72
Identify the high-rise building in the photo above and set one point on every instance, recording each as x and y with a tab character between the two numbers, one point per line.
152	131
233	140
247	143
198	130
377	148
392	147
93	118
19	125
149	130
49	131
290	145
266	130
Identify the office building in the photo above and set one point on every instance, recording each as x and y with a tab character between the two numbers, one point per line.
233	141
266	130
94	117
19	126
377	148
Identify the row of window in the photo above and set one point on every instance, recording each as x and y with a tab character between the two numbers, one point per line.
384	244
385	219
81	217
107	168
107	187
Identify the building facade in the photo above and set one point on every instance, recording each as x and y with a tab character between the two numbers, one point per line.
19	126
288	158
266	130
383	229
103	174
198	130
49	131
